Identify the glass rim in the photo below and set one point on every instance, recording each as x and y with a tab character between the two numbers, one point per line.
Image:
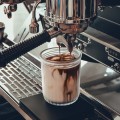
42	59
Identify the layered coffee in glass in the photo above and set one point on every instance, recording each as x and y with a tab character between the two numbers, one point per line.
60	75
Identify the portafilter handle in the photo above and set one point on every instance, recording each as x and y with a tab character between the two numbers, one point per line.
23	47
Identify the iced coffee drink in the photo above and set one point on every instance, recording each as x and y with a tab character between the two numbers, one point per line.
60	75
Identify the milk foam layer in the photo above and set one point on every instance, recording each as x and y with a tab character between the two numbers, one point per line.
60	85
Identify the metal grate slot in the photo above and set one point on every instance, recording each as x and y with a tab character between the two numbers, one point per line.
21	78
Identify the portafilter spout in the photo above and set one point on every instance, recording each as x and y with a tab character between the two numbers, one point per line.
66	40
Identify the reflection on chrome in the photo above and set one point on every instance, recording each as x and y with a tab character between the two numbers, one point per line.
109	70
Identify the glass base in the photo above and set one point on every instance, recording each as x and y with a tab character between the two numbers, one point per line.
61	104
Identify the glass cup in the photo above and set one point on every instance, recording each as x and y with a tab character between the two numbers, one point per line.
60	78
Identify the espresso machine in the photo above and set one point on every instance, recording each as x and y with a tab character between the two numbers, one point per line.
70	18
75	23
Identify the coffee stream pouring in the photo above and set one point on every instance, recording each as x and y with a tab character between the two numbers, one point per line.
66	17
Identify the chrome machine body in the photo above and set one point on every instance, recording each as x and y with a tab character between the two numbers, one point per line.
70	16
73	17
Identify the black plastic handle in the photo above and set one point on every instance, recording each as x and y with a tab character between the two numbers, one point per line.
23	47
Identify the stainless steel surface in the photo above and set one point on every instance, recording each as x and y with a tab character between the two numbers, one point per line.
91	96
70	15
102	83
21	79
101	47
